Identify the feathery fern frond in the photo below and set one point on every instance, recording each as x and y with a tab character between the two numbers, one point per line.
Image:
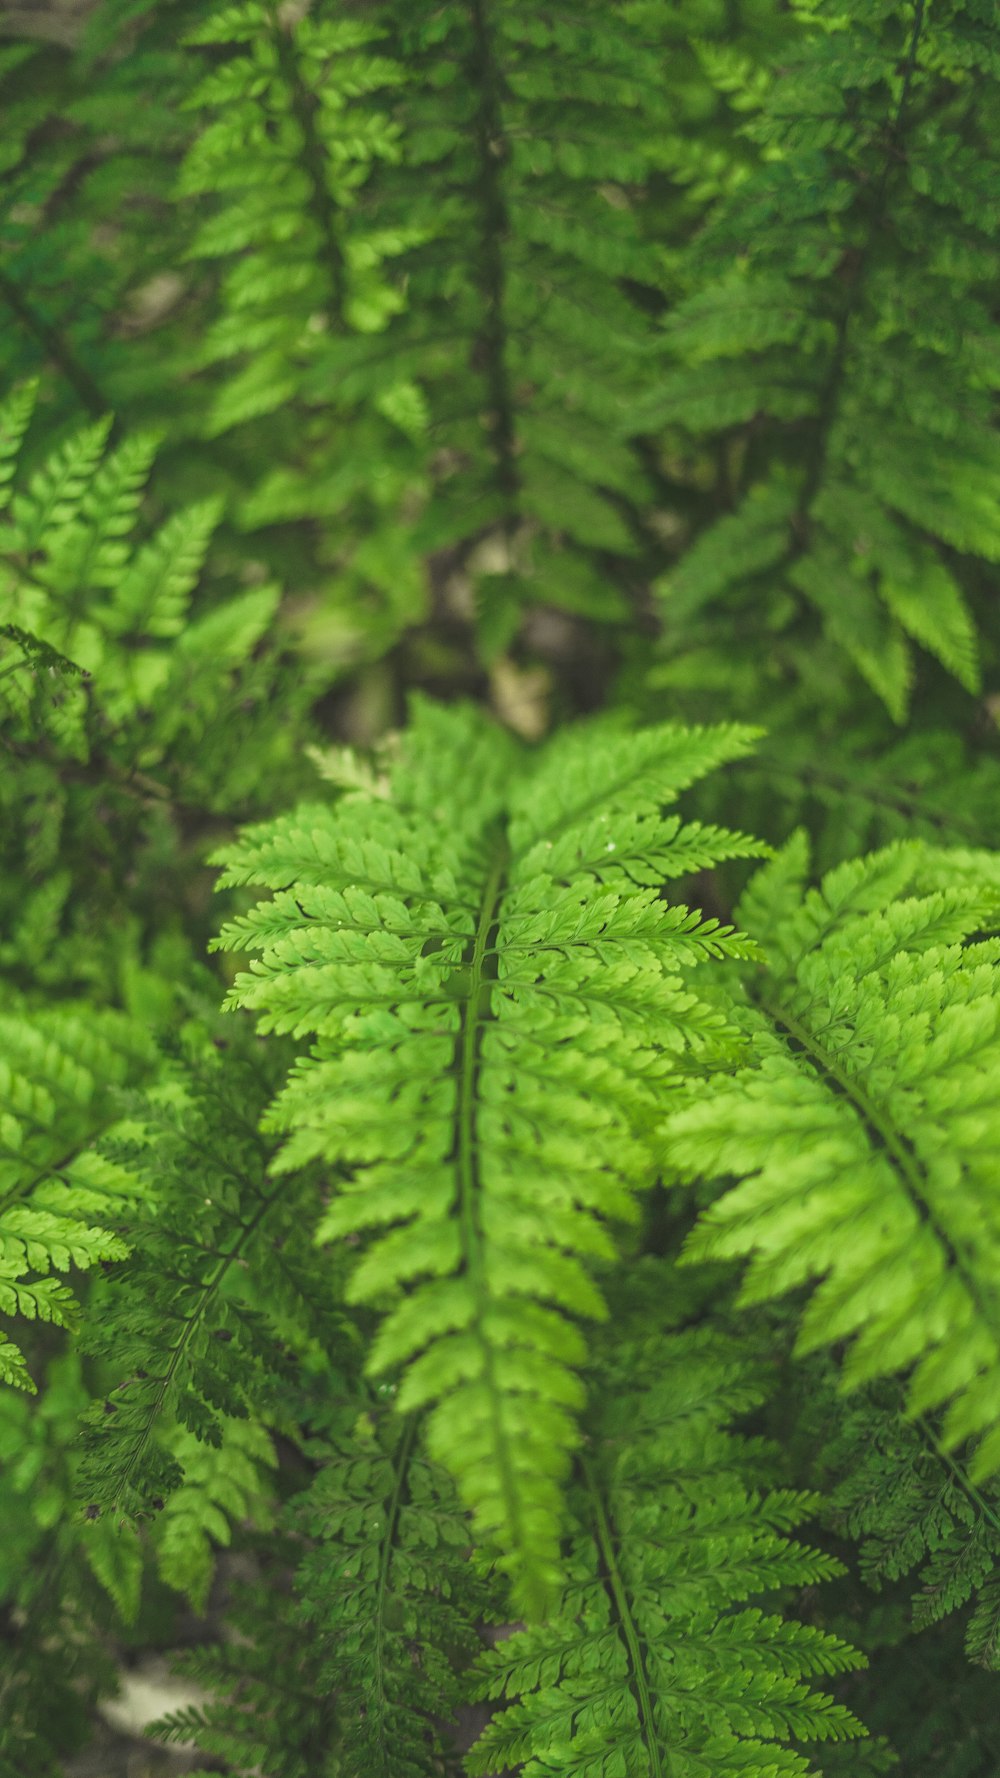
95	309
655	1666
57	1581
292	133
498	1004
512	364
72	577
357	1672
115	666
913	1508
863	1128
224	1484
837	347
59	1199
393	1615
858	793
197	1331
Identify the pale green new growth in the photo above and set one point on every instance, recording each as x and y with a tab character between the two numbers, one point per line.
499	1004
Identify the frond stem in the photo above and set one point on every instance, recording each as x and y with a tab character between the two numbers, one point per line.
660	1764
491	149
402	1464
468	1064
58	352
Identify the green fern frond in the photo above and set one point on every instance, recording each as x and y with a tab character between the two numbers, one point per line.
293	134
913	1508
497	399
223	1485
859	792
498	1007
358	1670
84	142
832	350
861	1129
117	664
388	1572
59	1200
655	1665
71	574
197	1331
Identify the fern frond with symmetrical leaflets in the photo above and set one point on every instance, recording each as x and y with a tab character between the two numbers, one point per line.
266	1713
499	1004
117	670
655	1665
913	1510
513	365
296	120
99	311
718	63
859	792
389	1597
837	350
202	1330
294	123
75	576
60	1200
357	1673
863	1127
223	1485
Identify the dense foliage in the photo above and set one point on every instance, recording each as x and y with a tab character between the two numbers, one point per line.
507	496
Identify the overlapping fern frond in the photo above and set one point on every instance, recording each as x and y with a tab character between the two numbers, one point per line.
438	240
358	1670
290	133
126	694
60	1200
834	348
76	577
914	1510
96	310
202	1329
499	1004
862	1133
655	1665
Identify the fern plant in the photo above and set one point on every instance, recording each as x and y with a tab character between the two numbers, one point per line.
870	1085
494	1016
506	496
648	1666
827	312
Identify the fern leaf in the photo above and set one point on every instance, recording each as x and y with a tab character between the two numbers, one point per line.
358	1662
492	1032
58	1079
217	1290
910	1506
151	596
654	1663
867	1108
816	364
15	418
55	493
414	1587
13	1369
222	1485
